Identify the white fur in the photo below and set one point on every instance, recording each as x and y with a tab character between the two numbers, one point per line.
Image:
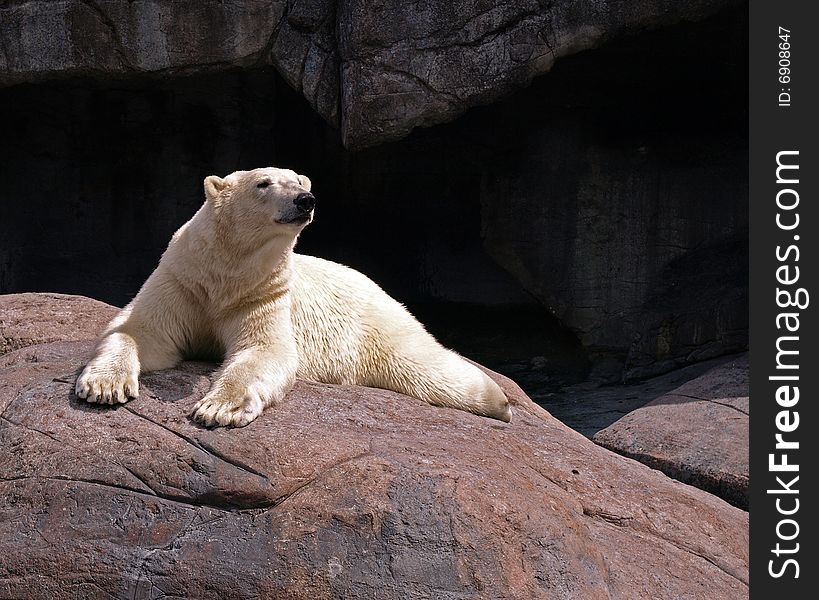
230	284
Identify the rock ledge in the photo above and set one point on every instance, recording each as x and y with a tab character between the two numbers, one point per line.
340	492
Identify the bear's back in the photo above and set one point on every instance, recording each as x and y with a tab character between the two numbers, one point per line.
342	320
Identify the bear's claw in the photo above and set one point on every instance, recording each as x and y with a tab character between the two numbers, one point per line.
106	387
213	411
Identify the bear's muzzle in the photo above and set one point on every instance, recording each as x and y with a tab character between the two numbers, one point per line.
305	202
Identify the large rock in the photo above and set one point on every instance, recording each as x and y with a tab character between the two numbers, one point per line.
404	66
377	69
697	433
594	405
45	39
339	492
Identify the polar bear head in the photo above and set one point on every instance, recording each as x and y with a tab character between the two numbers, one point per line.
266	201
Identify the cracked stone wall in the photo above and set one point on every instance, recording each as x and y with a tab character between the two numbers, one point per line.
375	69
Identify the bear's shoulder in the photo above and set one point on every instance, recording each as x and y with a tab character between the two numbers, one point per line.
304	263
315	271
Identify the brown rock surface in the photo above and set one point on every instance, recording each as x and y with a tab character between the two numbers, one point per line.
376	69
27	319
697	433
339	492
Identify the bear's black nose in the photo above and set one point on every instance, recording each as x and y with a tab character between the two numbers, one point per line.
305	202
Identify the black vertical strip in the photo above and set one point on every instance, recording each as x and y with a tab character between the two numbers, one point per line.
784	184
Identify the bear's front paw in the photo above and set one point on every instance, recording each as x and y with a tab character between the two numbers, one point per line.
219	409
108	383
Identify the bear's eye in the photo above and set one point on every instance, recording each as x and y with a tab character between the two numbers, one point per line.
263	184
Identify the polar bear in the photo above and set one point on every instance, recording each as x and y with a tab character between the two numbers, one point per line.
229	284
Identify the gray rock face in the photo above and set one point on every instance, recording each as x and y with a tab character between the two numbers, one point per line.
43	40
405	65
697	433
339	492
377	69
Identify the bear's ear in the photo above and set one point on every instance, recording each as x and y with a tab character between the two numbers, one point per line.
304	180
214	186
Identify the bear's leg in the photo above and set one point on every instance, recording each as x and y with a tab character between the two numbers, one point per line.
424	369
112	376
260	369
130	345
